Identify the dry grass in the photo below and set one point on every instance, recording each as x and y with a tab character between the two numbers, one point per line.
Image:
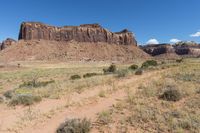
52	81
141	111
105	117
144	111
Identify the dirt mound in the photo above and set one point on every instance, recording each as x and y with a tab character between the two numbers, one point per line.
71	51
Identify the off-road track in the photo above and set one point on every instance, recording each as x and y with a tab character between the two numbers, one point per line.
46	116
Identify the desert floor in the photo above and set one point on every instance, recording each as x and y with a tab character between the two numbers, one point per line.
116	103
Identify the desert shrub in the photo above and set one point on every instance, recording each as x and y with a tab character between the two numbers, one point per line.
102	93
171	94
190	124
163	62
111	69
148	63
179	60
198	91
75	126
130	98
88	75
186	77
24	99
9	94
122	73
143	114
133	67
105	117
175	121
139	72
148	91
36	84
18	65
74	77
193	102
163	67
1	99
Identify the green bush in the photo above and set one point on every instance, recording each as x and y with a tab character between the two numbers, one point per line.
139	72
24	99
111	69
148	63
75	126
171	94
36	84
133	67
9	94
88	75
74	77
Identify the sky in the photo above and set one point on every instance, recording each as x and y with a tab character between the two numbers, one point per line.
152	21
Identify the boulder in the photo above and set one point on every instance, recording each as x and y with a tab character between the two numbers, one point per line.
82	33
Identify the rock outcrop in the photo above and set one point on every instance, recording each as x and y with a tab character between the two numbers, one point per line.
157	49
7	43
83	33
193	50
184	49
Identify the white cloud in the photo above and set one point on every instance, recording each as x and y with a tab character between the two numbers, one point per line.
152	41
174	40
197	34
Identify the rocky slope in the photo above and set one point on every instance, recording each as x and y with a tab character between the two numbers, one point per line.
71	51
82	33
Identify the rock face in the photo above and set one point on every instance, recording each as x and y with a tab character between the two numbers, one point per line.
186	49
7	43
82	33
158	49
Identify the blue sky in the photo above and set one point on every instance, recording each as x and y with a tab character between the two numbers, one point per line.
160	20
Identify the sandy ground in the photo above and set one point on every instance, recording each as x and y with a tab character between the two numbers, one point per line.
46	116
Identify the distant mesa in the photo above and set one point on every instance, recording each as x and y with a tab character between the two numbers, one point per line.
7	43
83	33
87	42
157	49
181	49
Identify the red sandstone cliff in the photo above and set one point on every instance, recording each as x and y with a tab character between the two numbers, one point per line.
82	33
